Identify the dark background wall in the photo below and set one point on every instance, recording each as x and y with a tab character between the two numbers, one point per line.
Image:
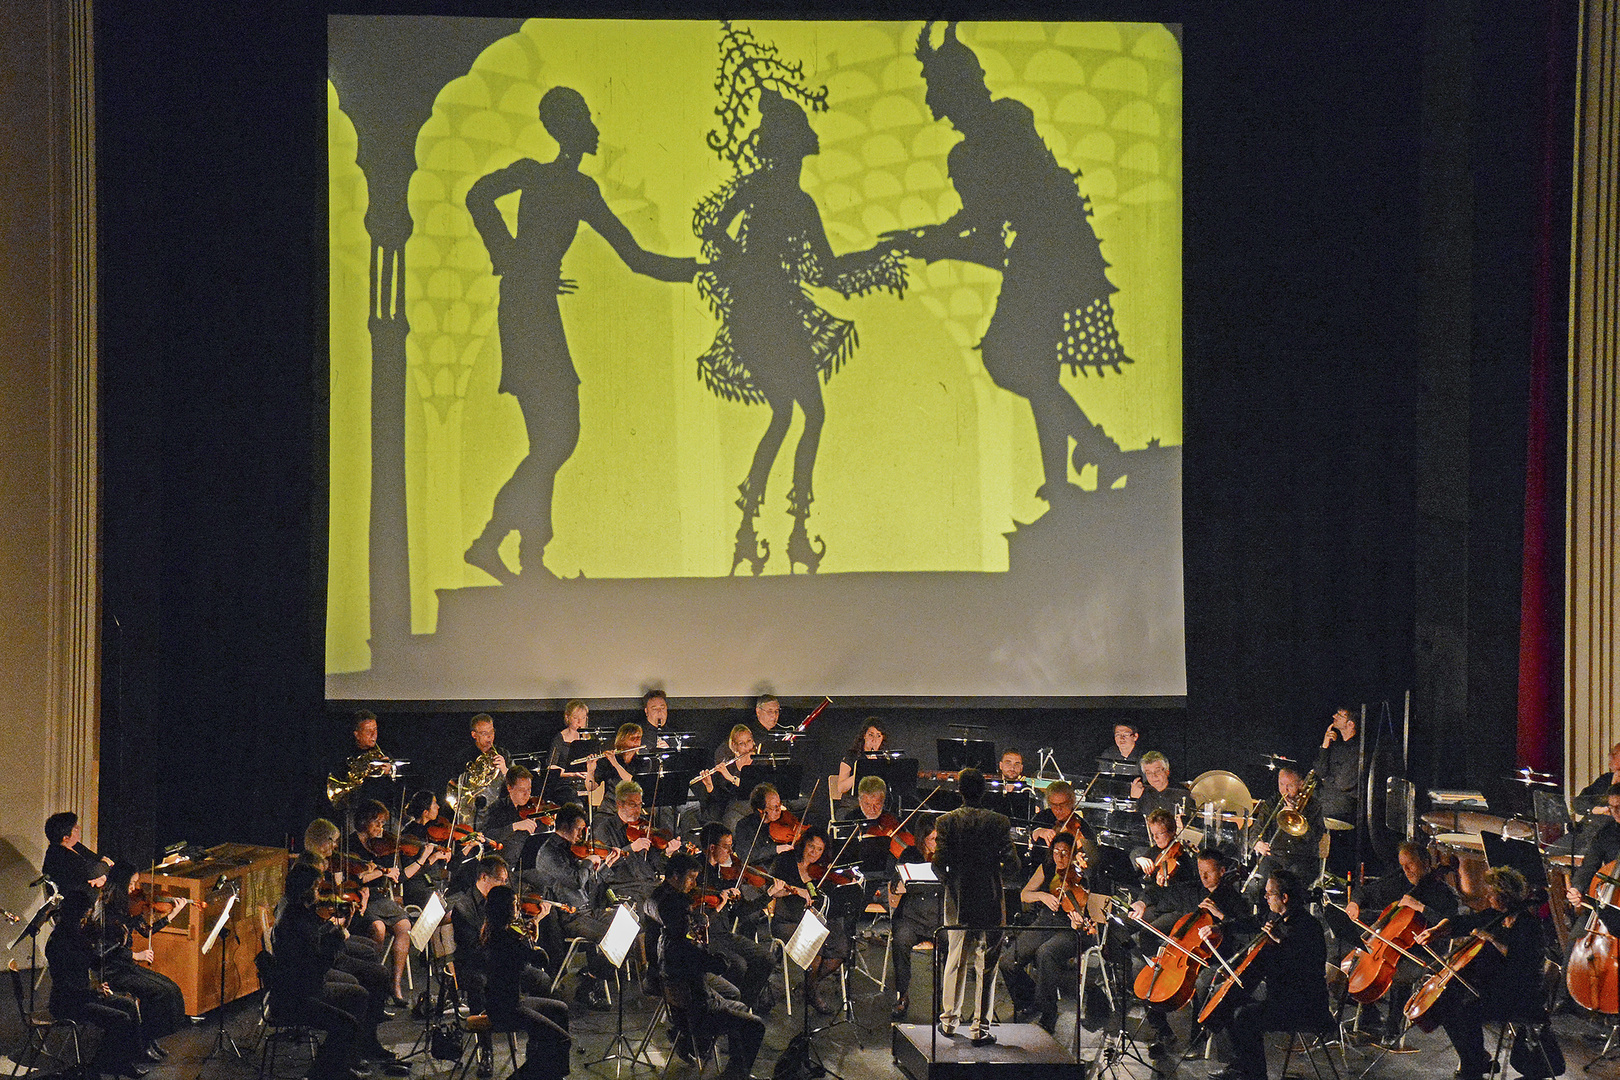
1353	473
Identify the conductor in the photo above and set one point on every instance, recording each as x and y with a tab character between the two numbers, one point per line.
973	851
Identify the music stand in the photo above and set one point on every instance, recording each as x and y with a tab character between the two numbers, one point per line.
899	775
615	945
53	899
222	929
803	946
422	931
958	754
1522	855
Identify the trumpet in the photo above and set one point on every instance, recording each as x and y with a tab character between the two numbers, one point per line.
363	766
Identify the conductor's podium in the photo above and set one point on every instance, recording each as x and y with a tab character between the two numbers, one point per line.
1020	1052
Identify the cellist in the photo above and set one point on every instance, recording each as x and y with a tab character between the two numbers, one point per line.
1506	974
1166	889
1603	847
1292	968
1417	887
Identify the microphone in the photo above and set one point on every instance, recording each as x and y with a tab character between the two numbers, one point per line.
220	884
42	879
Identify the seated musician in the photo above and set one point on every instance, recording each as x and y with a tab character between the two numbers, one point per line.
1279	848
431	866
1165	889
1060	817
753	831
1233	914
513	965
1050	941
769	734
1127	740
514	821
78	994
738	912
722	789
801	871
361	757
698	1006
609	770
323	969
71	866
1153	789
1602	847
1506	975
1291	967
1593	798
655	709
570	781
638	869
867	745
484	771
383	916
163	1007
918	915
1418	887
575	880
469	913
1009	794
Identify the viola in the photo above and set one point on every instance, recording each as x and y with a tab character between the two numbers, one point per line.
1420	1008
543	812
1164	864
529	907
1071	891
829	878
1371	967
1592	975
1218	995
1172	976
593	847
785	828
163	908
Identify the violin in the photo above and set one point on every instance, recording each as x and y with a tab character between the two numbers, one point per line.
333	901
1071	891
1371	967
888	825
786	827
594	847
164	908
443	830
829	878
1218	994
1164	864
1420	1008
642	828
529	907
543	812
1593	979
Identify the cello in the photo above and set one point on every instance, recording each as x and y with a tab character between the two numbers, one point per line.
1593	978
1170	978
1235	978
1370	967
1420	1007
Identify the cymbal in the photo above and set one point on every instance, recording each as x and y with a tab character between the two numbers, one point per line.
1274	761
1337	825
1530	778
1222	788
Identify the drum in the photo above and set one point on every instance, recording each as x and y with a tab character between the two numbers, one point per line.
1222	788
1463	821
1116	822
1467	851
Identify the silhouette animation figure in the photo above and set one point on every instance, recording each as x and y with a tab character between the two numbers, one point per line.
764	242
536	366
1023	216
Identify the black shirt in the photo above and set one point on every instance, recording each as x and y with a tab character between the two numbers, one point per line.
563	876
1438	901
1337	770
72	869
507	953
1604	847
1292	972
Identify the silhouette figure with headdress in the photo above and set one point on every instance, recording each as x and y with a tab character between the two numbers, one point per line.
1023	215
536	366
763	242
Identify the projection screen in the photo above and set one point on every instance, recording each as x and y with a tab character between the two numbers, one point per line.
824	357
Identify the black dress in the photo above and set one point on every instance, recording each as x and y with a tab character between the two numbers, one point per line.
508	955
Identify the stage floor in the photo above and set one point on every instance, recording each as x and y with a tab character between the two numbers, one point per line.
858	1050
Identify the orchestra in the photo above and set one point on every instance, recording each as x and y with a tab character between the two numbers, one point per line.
1128	862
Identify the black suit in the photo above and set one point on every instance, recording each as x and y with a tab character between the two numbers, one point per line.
973	851
1294	974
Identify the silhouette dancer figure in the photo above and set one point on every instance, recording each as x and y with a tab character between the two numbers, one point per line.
764	242
1023	216
536	366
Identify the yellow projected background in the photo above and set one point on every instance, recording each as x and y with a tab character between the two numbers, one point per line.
925	464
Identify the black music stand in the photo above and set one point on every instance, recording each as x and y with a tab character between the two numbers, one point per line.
958	754
778	770
900	774
220	935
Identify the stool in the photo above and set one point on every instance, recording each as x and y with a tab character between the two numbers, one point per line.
477	1026
574	945
41	1026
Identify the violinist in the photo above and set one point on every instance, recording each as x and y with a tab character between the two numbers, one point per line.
723	800
770	830
383	918
359	957
1278	849
513	821
735	919
1060	817
1291	967
469	913
918	915
700	1007
71	865
163	1008
79	993
564	875
1058	898
570	780
427	869
868	745
609	770
1153	789
513	964
1507	972
801	871
1419	888
629	830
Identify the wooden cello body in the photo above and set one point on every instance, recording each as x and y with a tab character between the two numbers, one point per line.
1593	974
1370	968
1170	978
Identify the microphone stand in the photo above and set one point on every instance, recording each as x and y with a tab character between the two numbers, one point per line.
53	897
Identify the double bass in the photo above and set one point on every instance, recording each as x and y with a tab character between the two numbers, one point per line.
1594	959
